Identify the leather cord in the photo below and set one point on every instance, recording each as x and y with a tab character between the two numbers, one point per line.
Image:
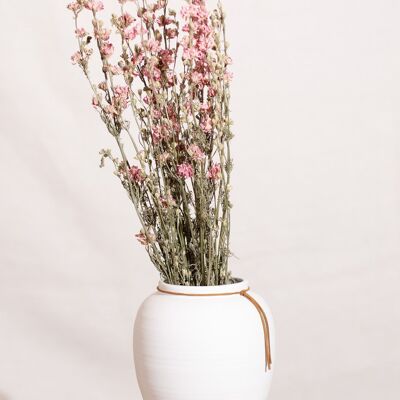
245	294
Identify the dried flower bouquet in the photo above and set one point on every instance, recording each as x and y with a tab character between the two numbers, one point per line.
168	73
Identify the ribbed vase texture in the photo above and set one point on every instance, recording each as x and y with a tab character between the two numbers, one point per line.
202	348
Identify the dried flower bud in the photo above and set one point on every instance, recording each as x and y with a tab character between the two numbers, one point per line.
103	86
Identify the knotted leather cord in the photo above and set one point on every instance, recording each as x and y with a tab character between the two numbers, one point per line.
261	312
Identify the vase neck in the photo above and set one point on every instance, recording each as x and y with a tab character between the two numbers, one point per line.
238	286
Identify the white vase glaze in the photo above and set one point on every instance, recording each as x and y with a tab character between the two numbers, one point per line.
202	348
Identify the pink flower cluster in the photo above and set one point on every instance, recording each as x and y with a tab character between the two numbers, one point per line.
94	5
121	97
95	102
170	77
126	19
137	175
214	172
80	32
121	92
76	57
75	7
185	170
206	123
101	33
196	46
107	50
196	153
158	133
138	29
200	41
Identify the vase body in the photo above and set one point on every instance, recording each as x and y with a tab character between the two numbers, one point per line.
202	347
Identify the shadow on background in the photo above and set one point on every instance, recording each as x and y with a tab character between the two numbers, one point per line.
3	396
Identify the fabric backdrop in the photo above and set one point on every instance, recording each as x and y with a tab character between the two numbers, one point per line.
316	222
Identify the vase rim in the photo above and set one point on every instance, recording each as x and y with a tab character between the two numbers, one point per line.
237	286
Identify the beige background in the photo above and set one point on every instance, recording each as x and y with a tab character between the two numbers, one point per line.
316	224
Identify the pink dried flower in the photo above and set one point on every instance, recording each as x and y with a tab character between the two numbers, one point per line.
131	34
156	134
171	33
147	16
189	53
170	77
228	76
94	5
155	113
194	10
214	172
185	170
156	74
111	110
196	153
152	72
160	4
167	56
212	92
107	50
206	124
126	19
164	21
121	91
80	32
95	102
137	58
76	57
137	175
121	97
197	78
74	7
152	45
102	34
134	31
115	69
145	239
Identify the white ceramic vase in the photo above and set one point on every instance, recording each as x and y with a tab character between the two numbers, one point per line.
202	347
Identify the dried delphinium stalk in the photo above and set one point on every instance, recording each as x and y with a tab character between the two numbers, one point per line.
164	97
